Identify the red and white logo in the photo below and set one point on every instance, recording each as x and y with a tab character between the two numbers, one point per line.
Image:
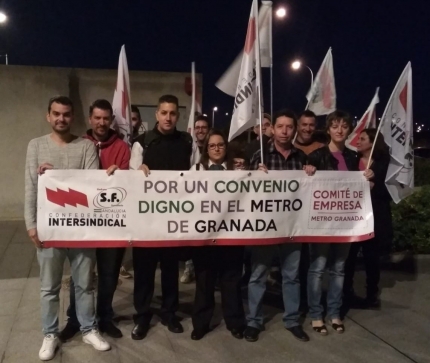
70	197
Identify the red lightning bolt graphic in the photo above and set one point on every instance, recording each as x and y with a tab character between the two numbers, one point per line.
61	197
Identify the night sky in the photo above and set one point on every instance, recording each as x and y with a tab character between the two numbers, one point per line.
372	41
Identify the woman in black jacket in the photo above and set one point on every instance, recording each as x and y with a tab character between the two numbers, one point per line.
334	156
224	263
383	225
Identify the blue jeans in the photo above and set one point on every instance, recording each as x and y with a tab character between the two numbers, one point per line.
51	262
261	261
332	256
108	266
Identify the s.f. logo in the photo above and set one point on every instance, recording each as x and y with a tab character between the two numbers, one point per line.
110	197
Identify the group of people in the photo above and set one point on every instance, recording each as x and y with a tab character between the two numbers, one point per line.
166	148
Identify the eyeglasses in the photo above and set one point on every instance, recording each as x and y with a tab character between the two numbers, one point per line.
201	128
221	145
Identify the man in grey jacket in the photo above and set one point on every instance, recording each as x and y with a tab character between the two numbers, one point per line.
61	150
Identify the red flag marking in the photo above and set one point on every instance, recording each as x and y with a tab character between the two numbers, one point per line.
61	197
403	97
250	36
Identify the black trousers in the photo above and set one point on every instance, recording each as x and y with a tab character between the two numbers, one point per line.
305	262
145	262
371	255
224	263
109	262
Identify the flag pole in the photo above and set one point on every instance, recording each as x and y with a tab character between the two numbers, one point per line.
258	72
271	64
369	162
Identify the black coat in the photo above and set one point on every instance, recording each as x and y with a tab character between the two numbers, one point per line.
381	202
323	159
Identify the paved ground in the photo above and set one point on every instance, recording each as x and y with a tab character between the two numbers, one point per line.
398	333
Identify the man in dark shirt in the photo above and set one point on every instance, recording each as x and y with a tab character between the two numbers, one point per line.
163	148
136	121
278	155
265	133
306	127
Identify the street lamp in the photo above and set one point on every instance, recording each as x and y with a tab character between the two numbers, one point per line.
215	109
3	17
281	13
296	65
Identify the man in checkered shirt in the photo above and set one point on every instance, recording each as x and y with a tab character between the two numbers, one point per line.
279	154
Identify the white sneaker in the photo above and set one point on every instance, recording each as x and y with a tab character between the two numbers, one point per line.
188	276
49	346
95	339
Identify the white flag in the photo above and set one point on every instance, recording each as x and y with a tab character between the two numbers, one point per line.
228	81
397	128
246	103
366	121
121	100
322	95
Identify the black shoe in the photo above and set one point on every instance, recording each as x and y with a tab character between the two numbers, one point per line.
237	332
173	325
371	303
198	334
110	329
139	331
299	333
251	334
69	331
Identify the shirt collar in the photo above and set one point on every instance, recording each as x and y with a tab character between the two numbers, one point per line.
272	148
224	164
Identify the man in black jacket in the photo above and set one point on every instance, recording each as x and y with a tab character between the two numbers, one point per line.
265	132
163	148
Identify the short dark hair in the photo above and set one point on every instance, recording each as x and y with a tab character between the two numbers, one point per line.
101	105
135	109
62	100
285	113
338	115
202	118
307	113
266	115
169	99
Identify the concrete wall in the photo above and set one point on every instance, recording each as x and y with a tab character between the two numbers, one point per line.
24	95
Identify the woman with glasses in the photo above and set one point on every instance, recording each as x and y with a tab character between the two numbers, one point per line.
217	262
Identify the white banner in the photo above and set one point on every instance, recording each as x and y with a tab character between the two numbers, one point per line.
86	208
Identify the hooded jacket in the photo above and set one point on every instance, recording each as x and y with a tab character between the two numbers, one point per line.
113	151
